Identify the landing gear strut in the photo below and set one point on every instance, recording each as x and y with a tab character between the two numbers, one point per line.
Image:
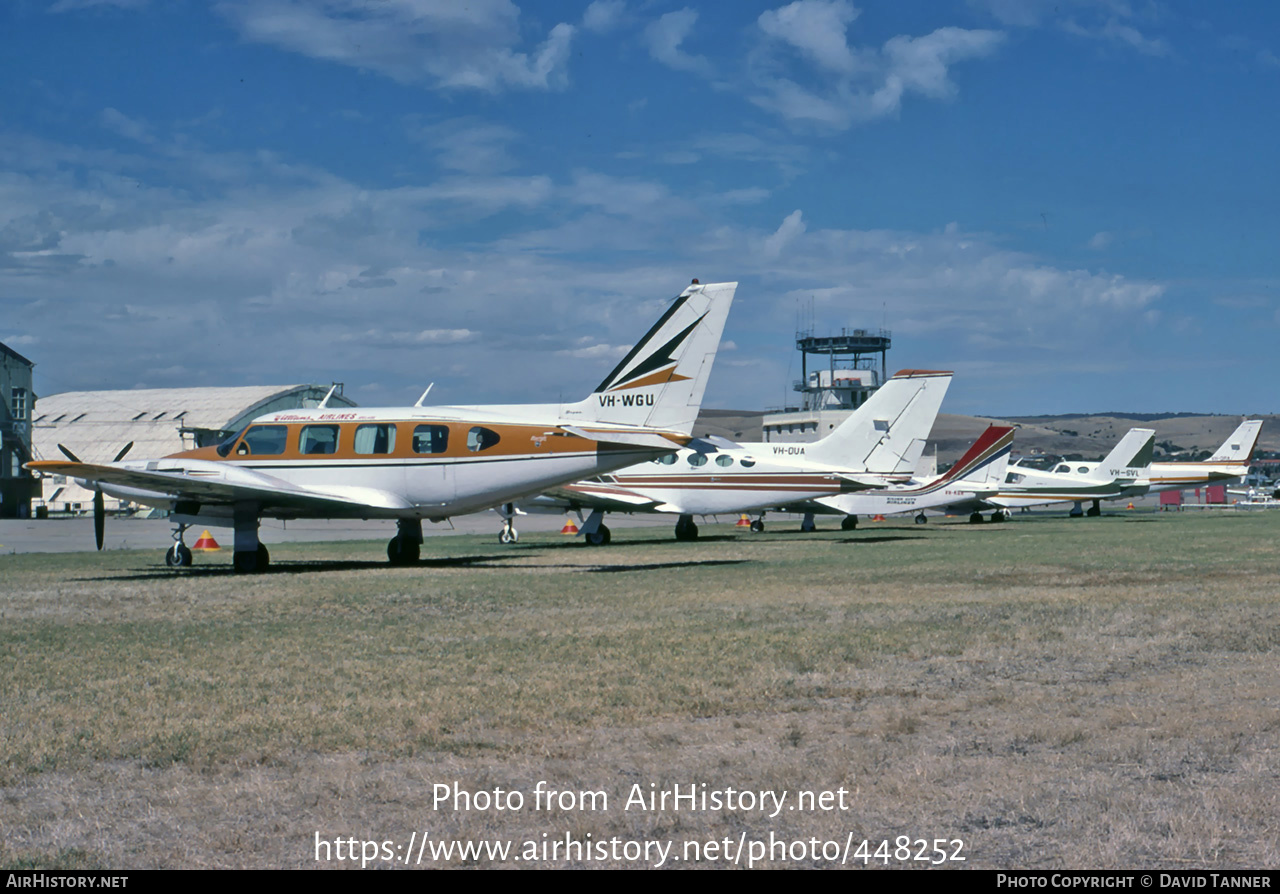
508	534
807	524
250	556
687	530
595	533
1095	510
406	547
178	555
1077	511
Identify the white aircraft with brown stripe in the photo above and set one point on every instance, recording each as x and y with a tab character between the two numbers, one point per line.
878	445
415	463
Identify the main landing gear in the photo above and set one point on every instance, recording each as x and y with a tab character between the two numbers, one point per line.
922	519
687	530
594	531
849	523
807	524
406	547
251	557
1095	510
178	555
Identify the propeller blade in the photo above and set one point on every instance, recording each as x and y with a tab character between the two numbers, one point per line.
99	517
68	454
123	450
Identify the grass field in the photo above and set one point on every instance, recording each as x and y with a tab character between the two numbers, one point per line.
1052	692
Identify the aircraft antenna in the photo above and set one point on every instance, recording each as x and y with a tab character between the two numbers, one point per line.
424	395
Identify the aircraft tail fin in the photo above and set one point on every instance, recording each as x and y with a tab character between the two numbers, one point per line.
984	463
660	383
1238	449
887	433
1131	458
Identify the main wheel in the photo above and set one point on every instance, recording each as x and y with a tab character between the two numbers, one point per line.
402	552
264	557
600	537
686	530
999	515
246	562
757	527
848	523
922	519
976	518
508	535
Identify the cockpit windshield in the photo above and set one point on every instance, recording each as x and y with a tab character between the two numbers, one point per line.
225	447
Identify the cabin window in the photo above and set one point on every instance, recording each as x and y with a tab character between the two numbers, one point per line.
668	459
1063	468
379	439
1083	470
697	459
318	440
747	463
1013	478
263	440
481	438
724	460
431	439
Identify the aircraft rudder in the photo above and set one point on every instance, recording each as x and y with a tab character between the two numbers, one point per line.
661	381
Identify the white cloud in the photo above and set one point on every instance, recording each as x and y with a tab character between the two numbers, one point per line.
817	29
791	229
847	85
439	43
604	15
665	36
125	126
1101	240
468	144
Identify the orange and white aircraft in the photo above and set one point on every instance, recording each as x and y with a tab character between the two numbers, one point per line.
1230	461
415	463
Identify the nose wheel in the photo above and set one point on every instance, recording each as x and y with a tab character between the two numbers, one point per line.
178	555
508	534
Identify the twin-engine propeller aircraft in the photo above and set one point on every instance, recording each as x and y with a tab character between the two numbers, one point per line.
411	463
975	476
1124	472
879	444
1230	461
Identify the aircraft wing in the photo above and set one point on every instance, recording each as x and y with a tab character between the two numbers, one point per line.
212	483
597	495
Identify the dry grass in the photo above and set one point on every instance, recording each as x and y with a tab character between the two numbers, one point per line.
1057	693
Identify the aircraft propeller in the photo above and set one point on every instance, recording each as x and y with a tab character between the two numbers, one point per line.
99	518
99	503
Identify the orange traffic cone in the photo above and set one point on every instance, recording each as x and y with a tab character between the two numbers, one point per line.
743	522
569	526
1130	506
206	542
877	518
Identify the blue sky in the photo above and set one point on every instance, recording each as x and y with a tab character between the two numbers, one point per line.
1071	203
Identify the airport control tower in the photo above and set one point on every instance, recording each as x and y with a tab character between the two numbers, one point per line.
836	382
